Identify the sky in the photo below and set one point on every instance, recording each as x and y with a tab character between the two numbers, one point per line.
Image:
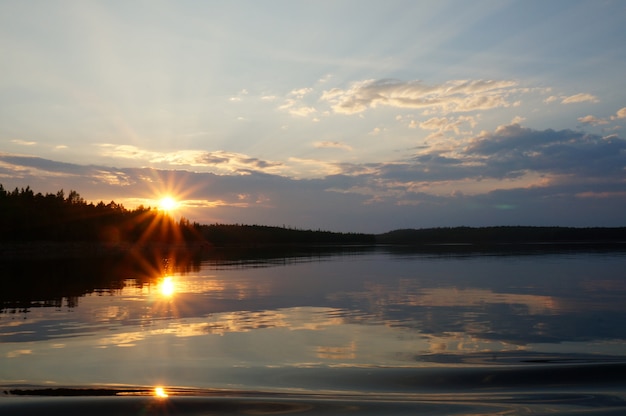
352	116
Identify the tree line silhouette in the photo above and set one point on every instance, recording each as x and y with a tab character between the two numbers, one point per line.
27	216
503	235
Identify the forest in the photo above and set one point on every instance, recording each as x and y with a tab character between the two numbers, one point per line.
504	235
26	216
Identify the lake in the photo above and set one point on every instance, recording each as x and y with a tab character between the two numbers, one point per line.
362	330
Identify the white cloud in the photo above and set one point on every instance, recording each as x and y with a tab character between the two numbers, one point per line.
593	120
239	95
301	92
444	124
329	144
434	123
621	113
580	98
295	108
221	162
302	111
449	97
23	142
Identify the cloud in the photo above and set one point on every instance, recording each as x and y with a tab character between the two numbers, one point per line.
444	124
593	120
621	113
541	177
296	108
329	144
37	164
572	99
301	92
23	142
244	92
565	152
219	161
449	97
580	98
434	123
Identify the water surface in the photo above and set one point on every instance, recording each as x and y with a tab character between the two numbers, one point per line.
390	331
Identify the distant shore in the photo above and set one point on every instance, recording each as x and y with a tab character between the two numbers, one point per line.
433	240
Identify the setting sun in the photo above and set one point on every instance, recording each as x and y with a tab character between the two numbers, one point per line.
168	203
160	392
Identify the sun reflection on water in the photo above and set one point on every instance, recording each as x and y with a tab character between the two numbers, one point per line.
167	287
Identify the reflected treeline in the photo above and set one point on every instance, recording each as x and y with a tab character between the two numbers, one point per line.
501	249
59	282
55	282
233	257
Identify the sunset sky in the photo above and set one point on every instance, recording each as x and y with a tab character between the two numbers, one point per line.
361	116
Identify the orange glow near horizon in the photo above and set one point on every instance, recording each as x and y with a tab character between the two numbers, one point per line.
160	392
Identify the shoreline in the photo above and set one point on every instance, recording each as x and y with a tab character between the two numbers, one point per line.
59	250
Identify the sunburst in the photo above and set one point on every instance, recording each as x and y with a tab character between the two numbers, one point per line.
168	204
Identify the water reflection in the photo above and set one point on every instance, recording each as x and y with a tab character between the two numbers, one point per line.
189	326
167	286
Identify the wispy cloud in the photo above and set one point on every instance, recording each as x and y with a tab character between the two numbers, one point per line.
572	99
580	98
445	124
334	145
294	107
621	113
220	161
23	142
449	97
240	95
595	121
542	172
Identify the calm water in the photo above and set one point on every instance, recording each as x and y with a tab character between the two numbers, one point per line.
356	332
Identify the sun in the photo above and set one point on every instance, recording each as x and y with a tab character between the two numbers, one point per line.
160	392
168	203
